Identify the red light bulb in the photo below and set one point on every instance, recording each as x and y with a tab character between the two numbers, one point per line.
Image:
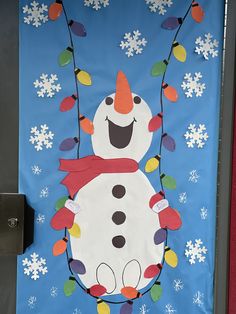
155	123
152	271
68	103
97	290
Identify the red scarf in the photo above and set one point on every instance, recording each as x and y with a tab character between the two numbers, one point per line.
83	170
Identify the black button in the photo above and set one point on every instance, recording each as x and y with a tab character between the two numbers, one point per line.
118	191
109	101
118	241
119	217
137	100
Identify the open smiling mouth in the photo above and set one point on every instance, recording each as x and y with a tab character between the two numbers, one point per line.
120	136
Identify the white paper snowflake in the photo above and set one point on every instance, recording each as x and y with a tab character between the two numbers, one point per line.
169	309
77	311
159	5
46	85
36	170
203	213
133	43
41	137
206	46
178	285
192	84
196	136
143	309
183	197
44	192
198	299
32	302
35	14
34	266
54	292
96	4
40	219
195	251
193	176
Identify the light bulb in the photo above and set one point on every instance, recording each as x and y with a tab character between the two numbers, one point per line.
152	271
170	92
172	22
68	103
160	236
69	286
68	143
130	293
168	142
75	231
83	77
77	28
170	257
86	125
63	218
159	68
155	123
179	52
77	266
197	12
102	307
152	164
65	57
61	202
55	10
156	291
97	290
127	308
168	182
60	247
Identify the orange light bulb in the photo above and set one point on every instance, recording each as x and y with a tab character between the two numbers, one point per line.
60	246
130	293
86	125
55	10
170	92
197	12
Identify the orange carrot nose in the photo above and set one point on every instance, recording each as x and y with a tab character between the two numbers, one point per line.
123	98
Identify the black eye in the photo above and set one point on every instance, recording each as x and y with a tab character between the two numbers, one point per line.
109	101
137	100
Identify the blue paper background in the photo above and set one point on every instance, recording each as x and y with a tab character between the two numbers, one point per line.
99	53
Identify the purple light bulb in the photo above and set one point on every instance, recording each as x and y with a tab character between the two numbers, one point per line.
160	236
172	23
127	308
77	28
77	267
168	142
68	143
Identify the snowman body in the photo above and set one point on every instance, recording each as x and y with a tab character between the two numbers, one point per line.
117	225
117	231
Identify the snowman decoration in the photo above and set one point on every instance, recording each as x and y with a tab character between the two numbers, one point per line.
122	220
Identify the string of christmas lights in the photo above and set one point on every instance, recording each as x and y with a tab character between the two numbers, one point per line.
159	69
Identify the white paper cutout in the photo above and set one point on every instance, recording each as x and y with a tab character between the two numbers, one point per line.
206	46
192	85
34	266
159	5
196	136
133	43
35	14
41	137
195	251
46	85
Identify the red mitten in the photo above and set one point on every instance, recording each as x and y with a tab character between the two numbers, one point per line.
170	219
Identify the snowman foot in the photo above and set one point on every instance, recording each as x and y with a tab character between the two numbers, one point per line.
130	293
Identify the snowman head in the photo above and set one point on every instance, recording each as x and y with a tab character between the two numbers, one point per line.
121	124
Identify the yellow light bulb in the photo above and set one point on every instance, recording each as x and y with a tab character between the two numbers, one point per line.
179	52
102	307
83	77
170	257
75	231
152	164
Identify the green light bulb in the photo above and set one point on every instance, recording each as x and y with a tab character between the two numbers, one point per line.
168	182
61	202
65	56
156	291
159	68
69	286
